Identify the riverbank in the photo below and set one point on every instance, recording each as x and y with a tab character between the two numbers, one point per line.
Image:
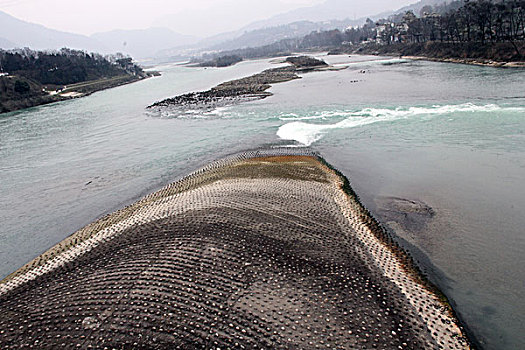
30	78
471	61
264	248
241	90
504	55
39	96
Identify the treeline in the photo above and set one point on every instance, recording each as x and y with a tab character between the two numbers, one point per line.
65	66
31	78
495	54
463	22
459	21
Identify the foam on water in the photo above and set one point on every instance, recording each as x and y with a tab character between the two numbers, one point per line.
309	133
380	61
306	133
181	113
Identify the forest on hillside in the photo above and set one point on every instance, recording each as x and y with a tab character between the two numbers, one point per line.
65	66
29	78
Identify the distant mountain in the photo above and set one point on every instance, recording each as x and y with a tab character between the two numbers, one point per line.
327	11
415	7
333	14
251	38
143	43
38	37
265	36
220	16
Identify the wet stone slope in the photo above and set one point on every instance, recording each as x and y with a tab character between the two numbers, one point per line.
261	250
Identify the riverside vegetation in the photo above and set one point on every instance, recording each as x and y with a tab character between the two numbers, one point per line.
30	78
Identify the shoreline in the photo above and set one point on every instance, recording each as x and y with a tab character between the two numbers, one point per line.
498	55
318	233
468	61
77	90
437	279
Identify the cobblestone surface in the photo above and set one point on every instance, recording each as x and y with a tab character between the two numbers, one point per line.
260	250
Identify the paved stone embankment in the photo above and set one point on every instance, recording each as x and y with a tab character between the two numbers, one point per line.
260	250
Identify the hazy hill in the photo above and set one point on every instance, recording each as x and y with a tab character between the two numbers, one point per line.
416	7
244	37
143	43
251	38
38	37
270	35
329	10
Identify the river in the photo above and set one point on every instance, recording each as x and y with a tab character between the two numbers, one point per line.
446	135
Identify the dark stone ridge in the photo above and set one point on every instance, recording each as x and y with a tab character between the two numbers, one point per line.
245	89
221	61
253	87
306	62
260	250
240	90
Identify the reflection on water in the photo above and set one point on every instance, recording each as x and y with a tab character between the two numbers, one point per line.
449	136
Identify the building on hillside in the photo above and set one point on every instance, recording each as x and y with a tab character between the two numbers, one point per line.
385	32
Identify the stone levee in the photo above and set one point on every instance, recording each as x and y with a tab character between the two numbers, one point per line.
260	250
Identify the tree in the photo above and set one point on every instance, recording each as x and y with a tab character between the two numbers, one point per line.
22	87
425	10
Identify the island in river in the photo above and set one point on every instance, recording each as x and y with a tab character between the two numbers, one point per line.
245	89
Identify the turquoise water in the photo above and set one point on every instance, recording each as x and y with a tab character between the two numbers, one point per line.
449	135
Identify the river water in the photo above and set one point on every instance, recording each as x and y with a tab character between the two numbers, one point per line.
449	136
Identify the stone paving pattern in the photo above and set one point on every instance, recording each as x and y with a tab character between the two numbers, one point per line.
259	250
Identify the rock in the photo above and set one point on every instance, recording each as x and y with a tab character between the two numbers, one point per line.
91	323
411	215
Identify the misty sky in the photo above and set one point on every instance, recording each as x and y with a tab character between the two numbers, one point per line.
196	17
